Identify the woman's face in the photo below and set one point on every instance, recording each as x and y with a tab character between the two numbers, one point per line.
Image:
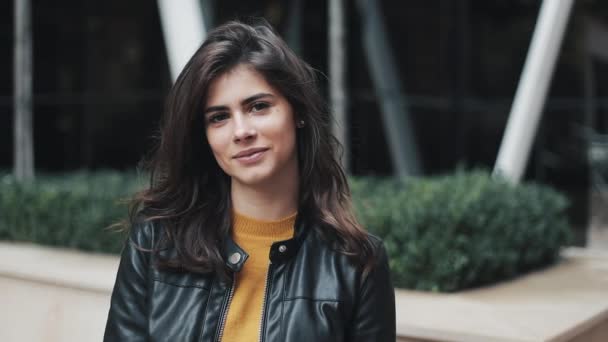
250	127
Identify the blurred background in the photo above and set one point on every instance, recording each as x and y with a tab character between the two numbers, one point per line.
101	73
428	89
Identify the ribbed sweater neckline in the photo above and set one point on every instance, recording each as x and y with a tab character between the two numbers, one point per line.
245	226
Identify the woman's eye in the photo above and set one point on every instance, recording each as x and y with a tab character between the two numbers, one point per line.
259	106
215	118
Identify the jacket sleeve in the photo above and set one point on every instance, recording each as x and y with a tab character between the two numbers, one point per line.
374	317
127	318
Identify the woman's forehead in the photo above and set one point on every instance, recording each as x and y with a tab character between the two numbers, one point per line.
237	84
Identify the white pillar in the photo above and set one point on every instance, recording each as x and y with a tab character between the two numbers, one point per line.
337	76
532	89
22	101
183	29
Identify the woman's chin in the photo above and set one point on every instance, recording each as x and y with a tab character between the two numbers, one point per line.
252	180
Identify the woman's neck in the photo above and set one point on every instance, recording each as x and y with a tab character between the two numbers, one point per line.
266	202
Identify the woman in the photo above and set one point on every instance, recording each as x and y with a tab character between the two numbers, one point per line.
246	231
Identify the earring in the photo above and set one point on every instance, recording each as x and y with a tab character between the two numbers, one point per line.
300	124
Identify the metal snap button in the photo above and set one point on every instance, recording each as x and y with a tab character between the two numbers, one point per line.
282	248
234	258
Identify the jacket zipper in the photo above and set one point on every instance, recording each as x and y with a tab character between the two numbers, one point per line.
226	308
263	319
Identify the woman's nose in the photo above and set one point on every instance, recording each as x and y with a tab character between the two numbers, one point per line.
243	129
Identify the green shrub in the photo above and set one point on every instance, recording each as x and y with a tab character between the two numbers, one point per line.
73	210
442	233
467	229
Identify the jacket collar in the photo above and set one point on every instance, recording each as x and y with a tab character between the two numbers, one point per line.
280	251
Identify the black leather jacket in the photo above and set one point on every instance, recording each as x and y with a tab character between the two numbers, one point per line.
312	294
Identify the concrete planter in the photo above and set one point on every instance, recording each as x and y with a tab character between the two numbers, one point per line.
53	295
50	295
566	302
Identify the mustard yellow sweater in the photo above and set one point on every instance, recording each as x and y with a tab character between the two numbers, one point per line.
255	237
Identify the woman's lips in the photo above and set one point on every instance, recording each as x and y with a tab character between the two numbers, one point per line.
251	158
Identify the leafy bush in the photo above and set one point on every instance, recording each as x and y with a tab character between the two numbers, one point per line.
442	233
452	232
73	210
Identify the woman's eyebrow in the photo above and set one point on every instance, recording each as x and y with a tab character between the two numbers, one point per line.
214	109
243	103
255	97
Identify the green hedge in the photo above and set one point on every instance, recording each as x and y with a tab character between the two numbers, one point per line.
73	210
452	232
442	233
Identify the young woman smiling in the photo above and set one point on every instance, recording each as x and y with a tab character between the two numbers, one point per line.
246	231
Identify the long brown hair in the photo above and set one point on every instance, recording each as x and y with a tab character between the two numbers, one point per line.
189	194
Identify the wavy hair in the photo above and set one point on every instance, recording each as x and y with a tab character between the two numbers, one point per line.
189	194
